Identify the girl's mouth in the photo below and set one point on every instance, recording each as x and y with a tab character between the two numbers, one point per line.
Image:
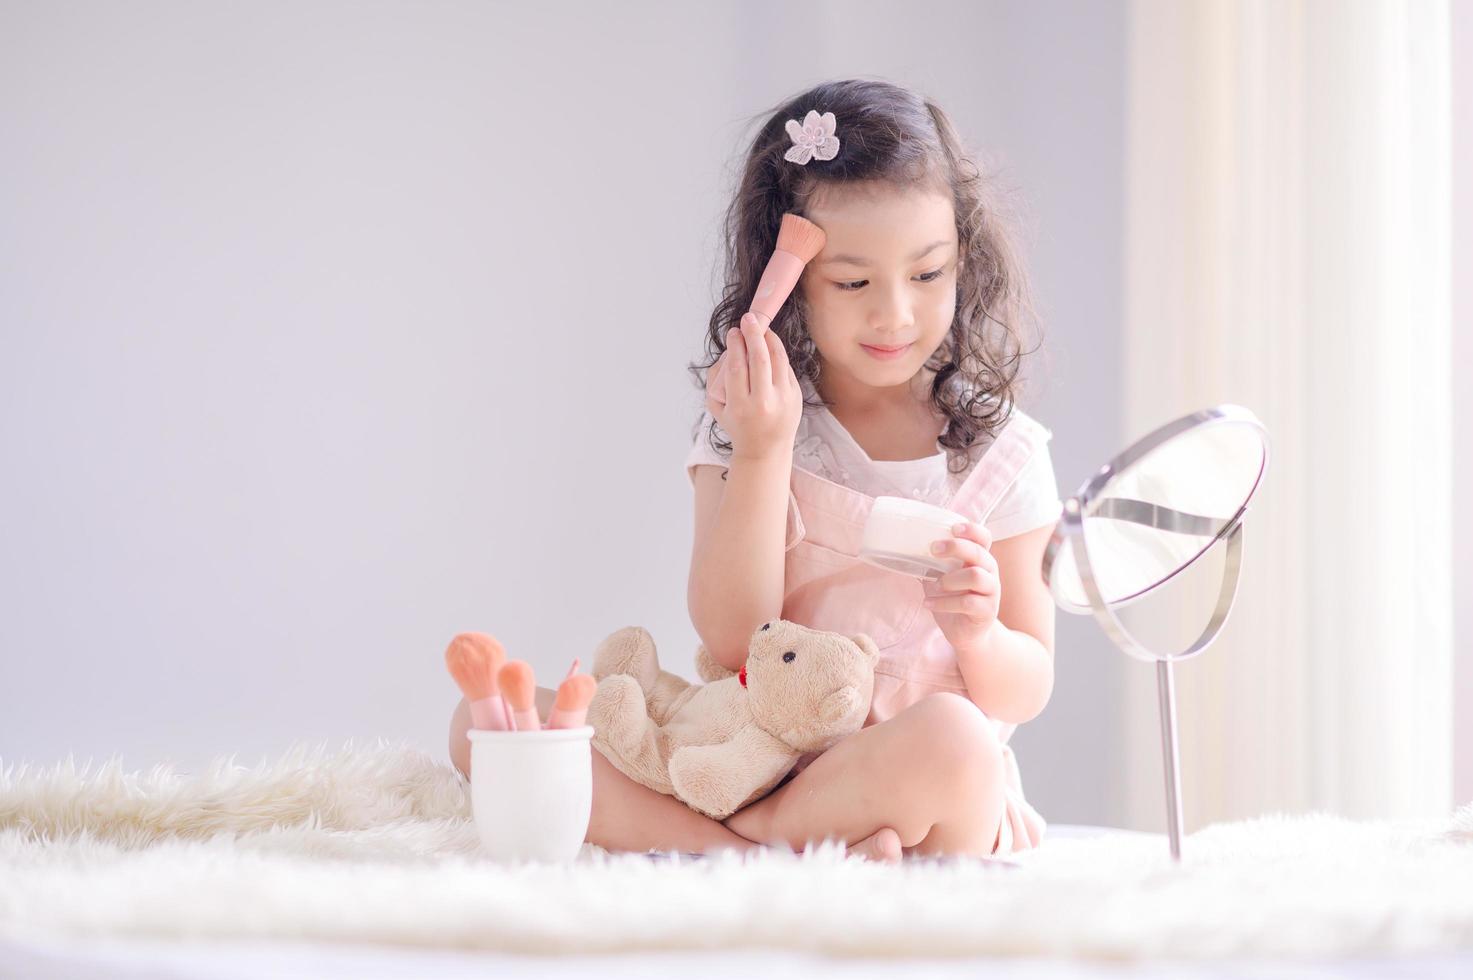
885	353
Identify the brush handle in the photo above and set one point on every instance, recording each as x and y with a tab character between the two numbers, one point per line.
773	289
526	719
776	285
488	714
572	718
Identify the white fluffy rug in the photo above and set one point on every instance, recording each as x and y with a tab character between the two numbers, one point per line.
375	844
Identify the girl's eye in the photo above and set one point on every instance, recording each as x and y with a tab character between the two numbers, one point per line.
852	285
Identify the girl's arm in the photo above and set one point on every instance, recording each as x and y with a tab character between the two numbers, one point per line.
737	560
1010	672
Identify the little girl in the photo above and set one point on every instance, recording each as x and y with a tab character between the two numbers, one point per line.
891	371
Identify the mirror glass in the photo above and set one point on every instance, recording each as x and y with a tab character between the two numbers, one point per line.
1156	514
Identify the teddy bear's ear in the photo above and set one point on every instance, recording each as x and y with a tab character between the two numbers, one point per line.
839	705
865	644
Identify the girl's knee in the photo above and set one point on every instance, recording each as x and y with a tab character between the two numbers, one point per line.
959	748
460	746
962	770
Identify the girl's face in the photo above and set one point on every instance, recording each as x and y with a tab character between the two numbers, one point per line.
886	278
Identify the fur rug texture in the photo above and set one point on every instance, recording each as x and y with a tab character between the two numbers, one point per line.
375	844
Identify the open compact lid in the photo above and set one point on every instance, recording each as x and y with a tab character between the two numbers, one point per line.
1157	507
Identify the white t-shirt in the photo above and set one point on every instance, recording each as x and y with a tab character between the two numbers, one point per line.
825	448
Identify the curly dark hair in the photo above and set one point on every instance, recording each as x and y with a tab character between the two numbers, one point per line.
887	134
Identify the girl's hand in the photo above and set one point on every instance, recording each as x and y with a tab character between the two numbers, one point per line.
964	602
764	401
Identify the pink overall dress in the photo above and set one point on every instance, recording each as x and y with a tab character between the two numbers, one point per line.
827	587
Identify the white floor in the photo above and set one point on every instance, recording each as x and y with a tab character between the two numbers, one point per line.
289	961
110	958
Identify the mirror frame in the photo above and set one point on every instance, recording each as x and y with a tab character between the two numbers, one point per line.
1071	525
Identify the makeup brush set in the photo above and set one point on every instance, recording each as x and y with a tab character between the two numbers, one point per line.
531	780
502	693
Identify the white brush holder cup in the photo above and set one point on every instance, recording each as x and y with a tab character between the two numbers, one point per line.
532	792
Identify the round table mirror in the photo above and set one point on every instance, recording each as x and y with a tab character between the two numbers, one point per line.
1144	518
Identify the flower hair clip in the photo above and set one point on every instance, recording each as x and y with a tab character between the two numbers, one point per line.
813	139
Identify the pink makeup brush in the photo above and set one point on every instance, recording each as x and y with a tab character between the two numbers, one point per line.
571	706
474	659
798	241
520	688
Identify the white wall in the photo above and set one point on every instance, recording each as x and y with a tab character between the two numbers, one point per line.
328	330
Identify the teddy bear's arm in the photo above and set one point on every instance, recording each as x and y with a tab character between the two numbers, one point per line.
626	735
666	695
631	651
719	779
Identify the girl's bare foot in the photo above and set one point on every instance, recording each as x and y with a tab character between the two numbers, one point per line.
882	845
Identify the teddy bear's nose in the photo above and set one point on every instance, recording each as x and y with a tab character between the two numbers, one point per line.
789	657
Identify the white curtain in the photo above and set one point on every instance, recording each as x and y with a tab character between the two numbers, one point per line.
1288	249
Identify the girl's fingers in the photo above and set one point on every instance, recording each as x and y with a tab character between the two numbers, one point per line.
716	395
973	532
965	550
777	356
973	578
967	604
759	361
736	365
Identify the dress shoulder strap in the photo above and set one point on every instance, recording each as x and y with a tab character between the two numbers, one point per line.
998	467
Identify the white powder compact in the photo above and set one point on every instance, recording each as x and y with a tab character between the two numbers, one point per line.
899	533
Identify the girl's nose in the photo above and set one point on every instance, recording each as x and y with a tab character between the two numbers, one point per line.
891	312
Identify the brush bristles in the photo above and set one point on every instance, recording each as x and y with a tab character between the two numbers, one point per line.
518	684
473	660
801	237
574	693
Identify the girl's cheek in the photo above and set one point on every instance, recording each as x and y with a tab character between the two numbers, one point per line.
947	307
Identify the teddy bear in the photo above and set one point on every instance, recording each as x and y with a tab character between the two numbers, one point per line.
720	745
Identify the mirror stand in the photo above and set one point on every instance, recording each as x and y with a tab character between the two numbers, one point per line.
1074	576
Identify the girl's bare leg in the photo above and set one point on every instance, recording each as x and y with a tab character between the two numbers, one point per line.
932	775
627	816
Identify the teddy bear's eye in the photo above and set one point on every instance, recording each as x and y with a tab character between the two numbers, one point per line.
766	626
789	657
